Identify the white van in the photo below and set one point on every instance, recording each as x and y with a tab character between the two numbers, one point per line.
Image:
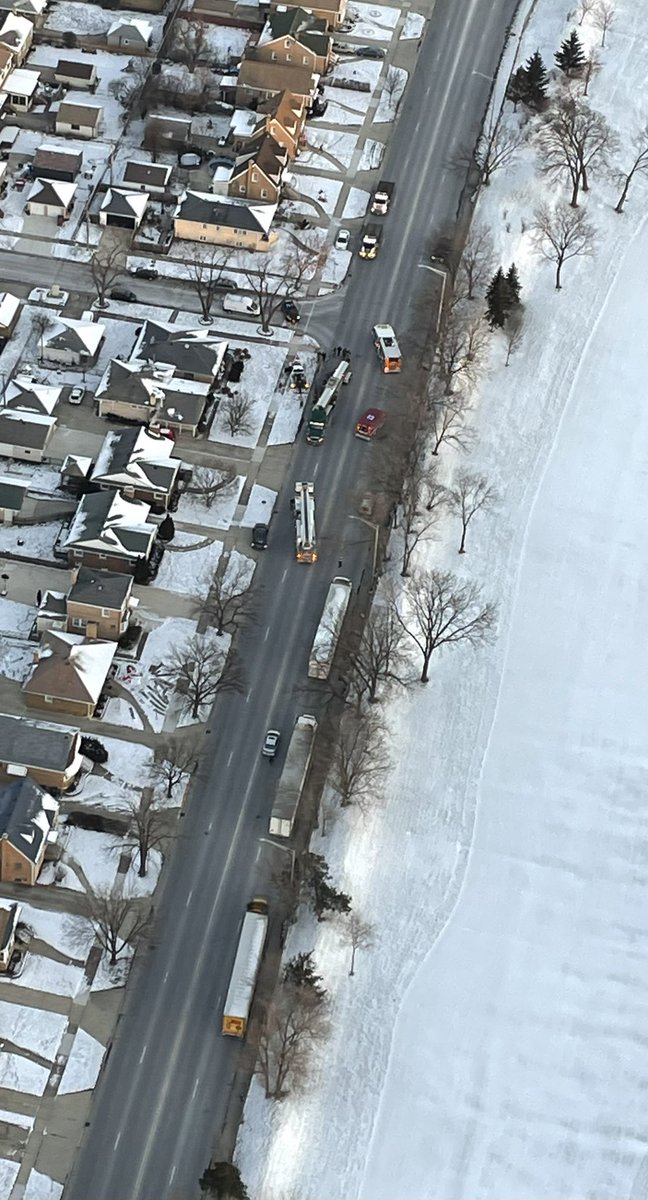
245	306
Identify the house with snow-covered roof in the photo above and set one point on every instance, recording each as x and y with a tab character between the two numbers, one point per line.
9	313
193	353
133	34
25	435
21	396
50	198
69	674
74	343
152	394
139	463
123	209
48	754
28	821
16	34
110	532
224	221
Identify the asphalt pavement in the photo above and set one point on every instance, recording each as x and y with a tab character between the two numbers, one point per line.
164	1093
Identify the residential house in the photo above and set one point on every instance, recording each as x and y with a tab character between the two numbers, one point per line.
257	172
146	177
284	116
162	133
24	397
82	120
12	498
48	754
7	63
224	221
139	463
74	343
75	472
296	37
152	395
9	313
70	673
333	12
195	354
9	918
131	34
76	73
33	9
50	162
24	436
28	821
17	34
258	81
110	532
20	89
50	198
123	209
99	604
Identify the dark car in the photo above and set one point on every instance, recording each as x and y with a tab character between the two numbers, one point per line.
370	52
123	294
290	311
260	537
146	272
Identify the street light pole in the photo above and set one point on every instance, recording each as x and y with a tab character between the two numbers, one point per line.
376	533
443	272
287	850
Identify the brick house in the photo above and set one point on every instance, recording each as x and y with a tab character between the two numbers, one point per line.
224	221
258	81
152	395
195	354
258	171
110	532
333	12
99	604
9	918
139	463
28	820
48	754
69	673
296	37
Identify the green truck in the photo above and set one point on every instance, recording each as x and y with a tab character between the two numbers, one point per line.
323	407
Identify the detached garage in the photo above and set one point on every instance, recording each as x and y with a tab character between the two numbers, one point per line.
123	209
51	198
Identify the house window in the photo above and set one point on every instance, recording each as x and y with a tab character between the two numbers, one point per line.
76	128
289	58
263	193
158	496
242	189
78	622
255	177
287	43
305	61
102	557
48	699
105	612
78	553
274	56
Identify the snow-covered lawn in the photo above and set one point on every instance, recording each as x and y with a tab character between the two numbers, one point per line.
341	113
337	264
319	189
70	935
65	15
16	658
372	155
492	1043
45	975
193	510
15	618
364	69
143	680
340	145
188	571
33	1030
41	1187
390	100
96	854
413	26
289	412
357	204
259	507
84	1064
258	381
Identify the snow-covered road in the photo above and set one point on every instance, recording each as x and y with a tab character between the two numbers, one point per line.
520	1063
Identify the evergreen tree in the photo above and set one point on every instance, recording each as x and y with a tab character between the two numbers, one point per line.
536	79
497	300
571	56
517	86
514	286
166	532
324	898
300	972
222	1181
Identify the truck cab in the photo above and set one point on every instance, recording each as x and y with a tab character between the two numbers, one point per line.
371	238
382	198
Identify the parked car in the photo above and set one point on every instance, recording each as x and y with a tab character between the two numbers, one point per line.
370	52
76	395
146	272
123	294
342	239
290	311
260	537
271	743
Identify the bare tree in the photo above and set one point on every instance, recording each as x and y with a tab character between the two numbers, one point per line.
190	43
106	267
444	611
147	829
270	289
360	759
448	421
41	322
498	148
461	348
574	142
476	265
230	598
236	410
200	670
295	1021
584	9
376	657
562	233
176	757
639	166
127	87
204	271
423	499
209	482
604	14
592	67
358	935
118	920
513	332
472	494
393	84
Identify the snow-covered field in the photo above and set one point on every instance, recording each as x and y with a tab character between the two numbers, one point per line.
493	1042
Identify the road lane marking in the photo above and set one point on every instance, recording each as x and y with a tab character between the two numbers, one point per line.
188	900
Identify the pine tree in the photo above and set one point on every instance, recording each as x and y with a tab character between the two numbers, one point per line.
300	972
536	82
222	1181
518	86
513	285
497	299
166	531
571	56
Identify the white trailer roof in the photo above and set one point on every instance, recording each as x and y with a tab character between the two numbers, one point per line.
246	964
